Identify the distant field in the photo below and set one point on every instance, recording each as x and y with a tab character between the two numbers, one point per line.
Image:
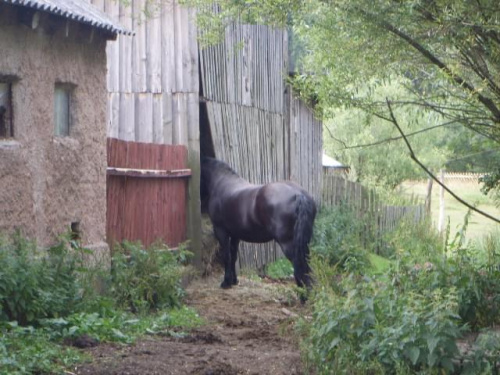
468	191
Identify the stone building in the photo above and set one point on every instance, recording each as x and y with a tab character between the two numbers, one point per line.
53	103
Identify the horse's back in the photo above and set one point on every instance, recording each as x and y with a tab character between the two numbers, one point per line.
282	194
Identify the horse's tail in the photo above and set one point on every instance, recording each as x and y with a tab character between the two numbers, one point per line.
303	230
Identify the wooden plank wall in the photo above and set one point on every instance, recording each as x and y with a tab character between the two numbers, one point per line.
146	209
261	131
306	143
153	79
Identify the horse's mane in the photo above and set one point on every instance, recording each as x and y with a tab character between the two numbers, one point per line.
218	165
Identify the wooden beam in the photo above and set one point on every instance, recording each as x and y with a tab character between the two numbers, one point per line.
148	173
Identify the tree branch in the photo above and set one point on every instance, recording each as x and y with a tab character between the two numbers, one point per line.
414	158
332	137
391	139
487	102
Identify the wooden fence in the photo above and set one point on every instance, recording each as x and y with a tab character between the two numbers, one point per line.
337	190
146	192
463	177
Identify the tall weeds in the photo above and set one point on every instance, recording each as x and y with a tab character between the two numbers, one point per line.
411	318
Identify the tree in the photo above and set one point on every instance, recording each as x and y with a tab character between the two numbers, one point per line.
373	149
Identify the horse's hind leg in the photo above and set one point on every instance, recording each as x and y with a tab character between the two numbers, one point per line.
224	242
234	256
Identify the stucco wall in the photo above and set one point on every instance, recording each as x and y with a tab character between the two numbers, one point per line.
48	182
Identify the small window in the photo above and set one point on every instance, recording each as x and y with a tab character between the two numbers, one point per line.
6	127
62	109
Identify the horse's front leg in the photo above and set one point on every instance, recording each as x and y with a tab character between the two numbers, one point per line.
234	256
224	242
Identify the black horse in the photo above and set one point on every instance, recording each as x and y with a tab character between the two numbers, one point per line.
241	211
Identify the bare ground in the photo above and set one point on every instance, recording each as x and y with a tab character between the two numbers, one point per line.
247	331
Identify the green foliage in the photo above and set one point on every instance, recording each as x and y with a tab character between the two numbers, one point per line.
485	355
491	184
338	239
121	326
48	298
417	242
26	350
281	269
373	148
36	283
146	279
410	317
365	325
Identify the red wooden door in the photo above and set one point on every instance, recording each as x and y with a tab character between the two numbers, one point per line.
146	192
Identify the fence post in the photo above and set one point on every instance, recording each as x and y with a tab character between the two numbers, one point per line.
428	198
441	203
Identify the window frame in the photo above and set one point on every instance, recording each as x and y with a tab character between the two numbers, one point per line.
63	110
7	117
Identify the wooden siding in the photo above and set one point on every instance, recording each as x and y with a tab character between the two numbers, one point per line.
153	80
248	68
146	206
306	147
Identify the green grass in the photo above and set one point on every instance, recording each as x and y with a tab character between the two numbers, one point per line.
455	212
281	269
379	264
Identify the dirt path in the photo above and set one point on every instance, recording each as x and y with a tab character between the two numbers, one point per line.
246	333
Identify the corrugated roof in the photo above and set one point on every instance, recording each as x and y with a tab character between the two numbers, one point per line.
77	10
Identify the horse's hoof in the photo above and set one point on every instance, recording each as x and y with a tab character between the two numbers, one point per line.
235	282
225	285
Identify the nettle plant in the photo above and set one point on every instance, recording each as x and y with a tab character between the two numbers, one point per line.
147	279
368	325
410	318
338	238
38	283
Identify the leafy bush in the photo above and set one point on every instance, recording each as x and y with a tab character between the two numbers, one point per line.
145	279
409	318
36	284
338	239
50	296
368	326
415	241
